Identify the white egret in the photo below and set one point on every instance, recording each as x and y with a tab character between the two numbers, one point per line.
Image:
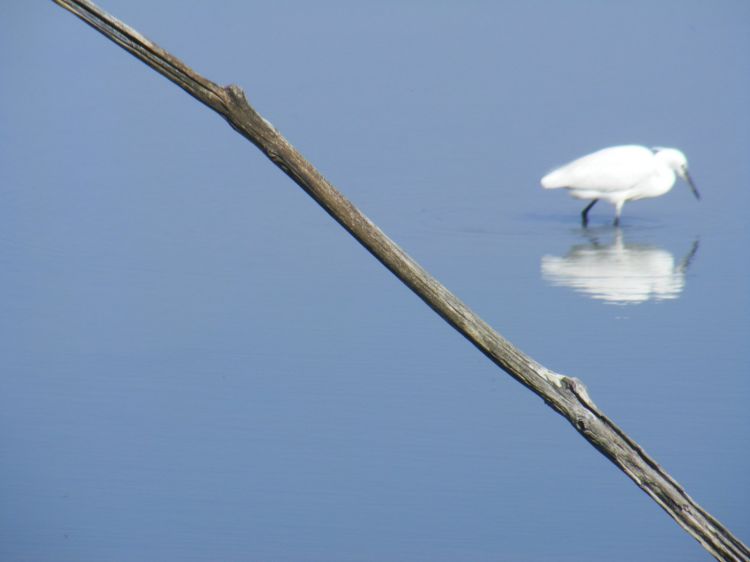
621	173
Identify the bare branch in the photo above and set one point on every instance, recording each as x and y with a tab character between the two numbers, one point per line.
566	395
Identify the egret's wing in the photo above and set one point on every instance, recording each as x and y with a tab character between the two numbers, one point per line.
611	169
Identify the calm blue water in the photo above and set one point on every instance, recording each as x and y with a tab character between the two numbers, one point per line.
199	364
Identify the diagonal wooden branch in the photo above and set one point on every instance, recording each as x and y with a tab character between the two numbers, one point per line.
566	395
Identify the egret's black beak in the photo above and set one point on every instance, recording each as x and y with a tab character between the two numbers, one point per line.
690	182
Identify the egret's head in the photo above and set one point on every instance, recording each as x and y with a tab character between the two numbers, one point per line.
677	161
673	158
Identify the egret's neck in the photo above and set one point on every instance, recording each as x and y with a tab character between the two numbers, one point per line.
664	178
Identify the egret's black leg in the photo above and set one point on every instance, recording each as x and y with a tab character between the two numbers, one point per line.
585	213
617	221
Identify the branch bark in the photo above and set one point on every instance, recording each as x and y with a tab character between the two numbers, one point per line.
566	395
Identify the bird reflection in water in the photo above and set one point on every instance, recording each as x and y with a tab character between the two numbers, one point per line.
619	273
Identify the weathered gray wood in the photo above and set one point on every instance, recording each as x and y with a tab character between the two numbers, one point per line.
566	395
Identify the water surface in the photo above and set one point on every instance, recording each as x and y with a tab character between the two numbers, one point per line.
199	364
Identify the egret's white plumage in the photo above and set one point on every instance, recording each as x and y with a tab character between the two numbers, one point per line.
621	173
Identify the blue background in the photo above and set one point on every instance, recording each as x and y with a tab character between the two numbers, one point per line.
199	364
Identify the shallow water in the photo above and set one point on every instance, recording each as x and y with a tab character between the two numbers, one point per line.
199	364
